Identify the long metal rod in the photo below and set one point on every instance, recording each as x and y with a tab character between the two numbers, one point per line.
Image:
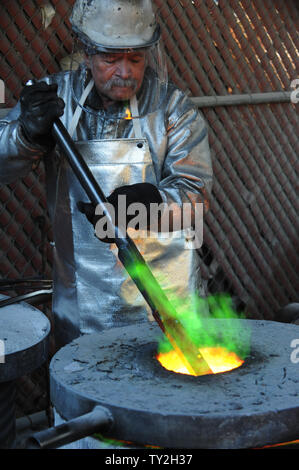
225	100
32	298
242	99
163	312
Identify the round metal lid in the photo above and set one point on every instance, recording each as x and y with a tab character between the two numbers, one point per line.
24	332
254	405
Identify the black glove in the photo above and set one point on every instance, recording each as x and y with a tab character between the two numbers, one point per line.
144	193
40	106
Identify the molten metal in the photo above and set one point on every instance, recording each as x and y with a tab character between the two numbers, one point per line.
219	360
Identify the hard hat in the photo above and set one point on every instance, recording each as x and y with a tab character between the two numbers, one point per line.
115	24
118	26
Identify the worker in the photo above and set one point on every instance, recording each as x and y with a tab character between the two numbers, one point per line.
141	137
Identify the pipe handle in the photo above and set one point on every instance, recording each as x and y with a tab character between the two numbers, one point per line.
97	420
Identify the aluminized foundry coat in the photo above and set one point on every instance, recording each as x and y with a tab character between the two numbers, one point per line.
91	289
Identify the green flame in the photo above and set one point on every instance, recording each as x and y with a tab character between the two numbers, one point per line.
206	322
211	322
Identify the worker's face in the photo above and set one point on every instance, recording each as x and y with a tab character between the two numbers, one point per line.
117	76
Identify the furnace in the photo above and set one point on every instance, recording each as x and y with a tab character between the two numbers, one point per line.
254	405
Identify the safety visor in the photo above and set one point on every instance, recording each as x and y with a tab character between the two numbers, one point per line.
108	80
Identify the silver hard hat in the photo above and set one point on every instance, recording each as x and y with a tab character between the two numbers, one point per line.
115	24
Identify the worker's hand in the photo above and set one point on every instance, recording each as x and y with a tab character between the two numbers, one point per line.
40	106
143	193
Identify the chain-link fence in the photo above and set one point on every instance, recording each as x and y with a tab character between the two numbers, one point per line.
237	59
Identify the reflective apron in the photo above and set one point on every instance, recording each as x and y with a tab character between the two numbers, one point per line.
92	288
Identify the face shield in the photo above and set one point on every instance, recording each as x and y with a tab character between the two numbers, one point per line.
112	78
118	65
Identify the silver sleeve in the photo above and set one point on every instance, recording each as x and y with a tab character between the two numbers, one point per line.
187	173
17	156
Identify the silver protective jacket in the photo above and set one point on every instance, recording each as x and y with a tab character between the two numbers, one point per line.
91	289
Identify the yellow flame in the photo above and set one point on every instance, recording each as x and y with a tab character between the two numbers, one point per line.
128	114
218	358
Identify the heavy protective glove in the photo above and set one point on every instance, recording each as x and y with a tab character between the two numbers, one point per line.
40	106
143	193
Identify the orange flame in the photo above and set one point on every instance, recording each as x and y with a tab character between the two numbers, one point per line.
128	114
290	443
219	360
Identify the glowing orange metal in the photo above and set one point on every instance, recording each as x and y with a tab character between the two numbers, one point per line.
218	358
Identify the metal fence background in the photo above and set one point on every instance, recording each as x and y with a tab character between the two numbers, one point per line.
214	47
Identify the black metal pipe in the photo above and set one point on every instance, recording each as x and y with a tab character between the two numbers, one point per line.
32	298
99	420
